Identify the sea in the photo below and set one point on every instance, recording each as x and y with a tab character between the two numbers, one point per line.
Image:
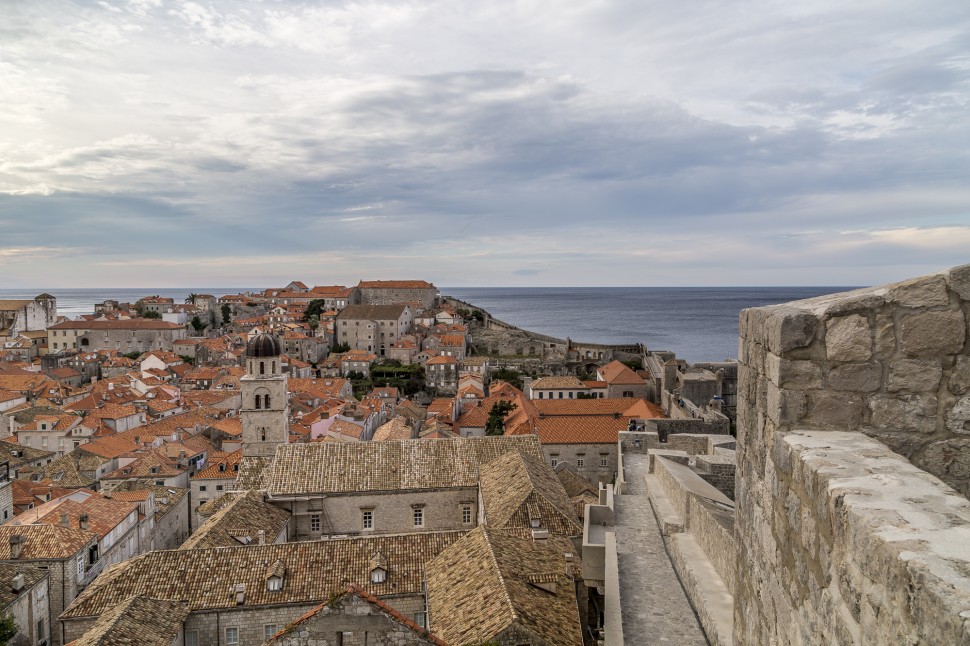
698	323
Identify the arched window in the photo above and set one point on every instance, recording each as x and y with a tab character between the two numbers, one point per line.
274	368
257	402
265	401
262	367
262	434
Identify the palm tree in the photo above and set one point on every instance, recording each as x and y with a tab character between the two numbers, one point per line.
191	298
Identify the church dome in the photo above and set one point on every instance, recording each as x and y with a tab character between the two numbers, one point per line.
263	345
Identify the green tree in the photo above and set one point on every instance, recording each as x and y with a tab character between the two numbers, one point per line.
226	313
496	417
314	308
8	629
197	324
341	347
508	375
150	314
314	322
191	298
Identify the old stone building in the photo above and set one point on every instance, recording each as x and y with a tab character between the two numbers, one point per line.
363	488
244	595
128	335
373	328
19	316
386	292
265	407
26	599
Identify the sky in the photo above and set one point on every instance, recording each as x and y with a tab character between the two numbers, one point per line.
168	143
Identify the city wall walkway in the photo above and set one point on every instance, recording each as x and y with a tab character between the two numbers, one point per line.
654	606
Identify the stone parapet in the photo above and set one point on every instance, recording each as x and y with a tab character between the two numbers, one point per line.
876	551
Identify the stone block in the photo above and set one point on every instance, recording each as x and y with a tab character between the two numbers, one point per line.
932	333
948	460
958	279
848	338
789	329
959	381
829	408
914	375
927	291
885	334
904	413
786	373
958	419
784	406
858	377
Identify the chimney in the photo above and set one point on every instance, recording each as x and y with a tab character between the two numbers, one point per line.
569	564
240	593
539	535
17	583
16	546
262	536
83	521
65	519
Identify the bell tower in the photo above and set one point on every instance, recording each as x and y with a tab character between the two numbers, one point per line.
265	408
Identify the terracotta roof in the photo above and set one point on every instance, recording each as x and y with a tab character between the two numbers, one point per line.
578	429
350	429
45	541
220	468
104	514
623	406
558	383
8	571
442	360
490	581
518	489
11	305
396	429
138	620
395	284
239	523
315	571
387	466
618	373
152	464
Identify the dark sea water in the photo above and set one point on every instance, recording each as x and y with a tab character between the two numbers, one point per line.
698	323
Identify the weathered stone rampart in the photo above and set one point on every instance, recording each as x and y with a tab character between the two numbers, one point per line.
839	540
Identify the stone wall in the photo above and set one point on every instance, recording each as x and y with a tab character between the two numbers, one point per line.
889	362
713	529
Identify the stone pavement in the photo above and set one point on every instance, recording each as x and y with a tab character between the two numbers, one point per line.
654	606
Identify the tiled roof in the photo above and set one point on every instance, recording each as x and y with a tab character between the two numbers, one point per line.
330	467
518	488
568	382
138	620
491	581
152	464
45	541
24	454
611	406
11	305
239	523
69	469
220	468
572	482
618	373
396	429
104	514
442	360
350	429
395	284
579	429
8	571
253	472
315	571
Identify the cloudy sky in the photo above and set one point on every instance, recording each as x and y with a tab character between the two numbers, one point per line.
154	143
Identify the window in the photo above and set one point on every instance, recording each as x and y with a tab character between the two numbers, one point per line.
201	487
580	462
604	460
219	487
268	631
554	461
314	522
368	519
274	584
40	629
560	394
192	638
378	575
418	618
232	636
466	514
419	516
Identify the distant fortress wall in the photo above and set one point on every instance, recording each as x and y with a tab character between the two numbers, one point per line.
841	540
